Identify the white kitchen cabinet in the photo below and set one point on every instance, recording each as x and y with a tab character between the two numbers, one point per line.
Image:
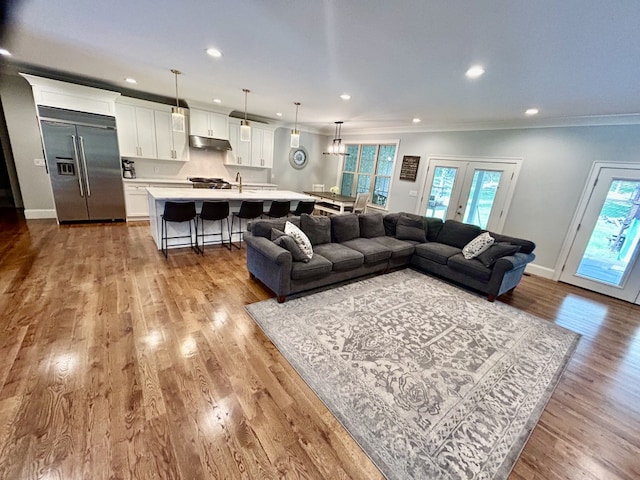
136	197
136	131
240	153
171	145
208	124
261	148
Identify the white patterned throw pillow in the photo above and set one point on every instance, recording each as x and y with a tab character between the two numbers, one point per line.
478	245
300	238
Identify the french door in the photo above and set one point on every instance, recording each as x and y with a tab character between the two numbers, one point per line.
475	192
605	248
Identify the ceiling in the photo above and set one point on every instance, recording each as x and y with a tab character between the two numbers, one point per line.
575	60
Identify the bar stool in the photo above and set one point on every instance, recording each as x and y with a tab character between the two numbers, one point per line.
304	207
178	212
249	209
278	209
213	212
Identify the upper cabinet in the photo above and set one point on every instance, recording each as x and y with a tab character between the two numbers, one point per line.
208	124
256	153
145	130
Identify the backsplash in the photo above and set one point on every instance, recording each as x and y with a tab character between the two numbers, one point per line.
202	163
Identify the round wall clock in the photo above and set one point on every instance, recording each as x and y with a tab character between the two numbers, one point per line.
298	157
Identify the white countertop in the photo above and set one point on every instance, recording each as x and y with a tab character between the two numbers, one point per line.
188	182
224	194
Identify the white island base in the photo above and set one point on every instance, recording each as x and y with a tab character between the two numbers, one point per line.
158	196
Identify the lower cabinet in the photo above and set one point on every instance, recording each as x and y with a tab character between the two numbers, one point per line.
136	199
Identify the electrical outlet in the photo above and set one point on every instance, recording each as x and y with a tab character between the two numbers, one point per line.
156	169
38	162
413	193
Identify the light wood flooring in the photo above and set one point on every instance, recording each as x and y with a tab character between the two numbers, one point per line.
117	363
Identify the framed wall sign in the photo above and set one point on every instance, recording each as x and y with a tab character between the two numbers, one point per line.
409	168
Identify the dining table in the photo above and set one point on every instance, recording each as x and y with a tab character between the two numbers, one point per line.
332	203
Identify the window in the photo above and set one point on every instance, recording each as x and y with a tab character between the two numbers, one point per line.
368	169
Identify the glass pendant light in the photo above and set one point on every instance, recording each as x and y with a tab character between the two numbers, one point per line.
337	147
177	113
295	133
245	129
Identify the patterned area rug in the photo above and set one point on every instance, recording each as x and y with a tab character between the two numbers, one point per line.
431	381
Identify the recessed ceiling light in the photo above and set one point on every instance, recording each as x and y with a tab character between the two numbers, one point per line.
531	111
345	96
214	52
217	100
279	114
416	120
475	71
130	80
5	52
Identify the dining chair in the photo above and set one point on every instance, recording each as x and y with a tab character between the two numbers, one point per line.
360	205
317	187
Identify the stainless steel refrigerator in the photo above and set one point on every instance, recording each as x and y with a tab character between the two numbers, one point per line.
81	150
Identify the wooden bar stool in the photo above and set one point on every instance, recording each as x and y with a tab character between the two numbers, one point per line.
249	210
213	212
178	212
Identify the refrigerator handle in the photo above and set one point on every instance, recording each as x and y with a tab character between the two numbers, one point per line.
75	158
84	164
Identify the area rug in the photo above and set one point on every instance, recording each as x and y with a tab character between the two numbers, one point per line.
432	381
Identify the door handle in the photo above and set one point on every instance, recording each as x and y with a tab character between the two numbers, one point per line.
75	159
84	164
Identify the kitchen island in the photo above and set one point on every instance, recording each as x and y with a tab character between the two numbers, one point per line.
158	196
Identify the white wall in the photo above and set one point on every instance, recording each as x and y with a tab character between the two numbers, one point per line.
556	163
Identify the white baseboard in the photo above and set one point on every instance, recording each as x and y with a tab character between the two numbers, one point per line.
540	271
34	213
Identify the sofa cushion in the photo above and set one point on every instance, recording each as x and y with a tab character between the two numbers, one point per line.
526	246
316	267
434	225
411	228
398	248
374	252
288	243
457	234
371	225
474	267
342	258
316	227
436	252
389	221
262	228
300	238
344	227
478	245
496	251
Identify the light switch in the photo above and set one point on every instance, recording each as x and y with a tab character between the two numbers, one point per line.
38	162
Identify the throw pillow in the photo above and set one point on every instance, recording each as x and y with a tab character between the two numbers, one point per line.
345	227
288	243
478	245
300	238
497	251
316	227
371	225
411	228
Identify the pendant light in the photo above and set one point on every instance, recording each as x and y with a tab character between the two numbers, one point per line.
337	148
177	113
245	129
295	133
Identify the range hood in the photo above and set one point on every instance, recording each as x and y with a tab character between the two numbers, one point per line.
208	143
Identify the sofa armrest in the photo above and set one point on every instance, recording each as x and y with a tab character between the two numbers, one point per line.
268	249
507	272
269	263
513	261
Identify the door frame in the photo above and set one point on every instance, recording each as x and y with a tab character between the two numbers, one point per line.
580	210
515	161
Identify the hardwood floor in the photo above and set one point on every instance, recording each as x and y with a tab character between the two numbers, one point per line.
117	363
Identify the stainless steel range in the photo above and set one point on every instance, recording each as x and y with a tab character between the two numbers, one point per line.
203	182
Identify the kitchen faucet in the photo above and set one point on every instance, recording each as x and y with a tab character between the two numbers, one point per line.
238	176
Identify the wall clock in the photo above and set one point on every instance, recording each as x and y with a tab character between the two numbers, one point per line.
298	157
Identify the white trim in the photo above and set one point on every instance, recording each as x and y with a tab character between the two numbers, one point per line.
540	271
36	213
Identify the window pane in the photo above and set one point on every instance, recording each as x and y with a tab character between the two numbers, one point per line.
367	158
347	184
381	191
364	183
351	160
385	160
440	195
481	197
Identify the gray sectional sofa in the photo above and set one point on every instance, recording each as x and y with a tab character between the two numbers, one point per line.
350	246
